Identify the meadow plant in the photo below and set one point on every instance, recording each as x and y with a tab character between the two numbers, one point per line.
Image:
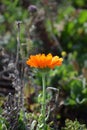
43	63
74	125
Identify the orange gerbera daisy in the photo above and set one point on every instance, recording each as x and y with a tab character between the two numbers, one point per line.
44	61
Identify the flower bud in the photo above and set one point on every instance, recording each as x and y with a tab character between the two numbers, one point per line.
32	8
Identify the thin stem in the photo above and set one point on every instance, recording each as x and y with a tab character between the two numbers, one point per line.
44	100
18	41
21	84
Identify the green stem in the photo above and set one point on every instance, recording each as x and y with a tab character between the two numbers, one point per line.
44	100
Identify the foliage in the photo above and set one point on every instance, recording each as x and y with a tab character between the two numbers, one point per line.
10	14
77	93
68	79
4	125
36	121
61	76
73	35
3	122
74	86
74	125
52	28
79	3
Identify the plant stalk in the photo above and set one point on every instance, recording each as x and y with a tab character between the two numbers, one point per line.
44	101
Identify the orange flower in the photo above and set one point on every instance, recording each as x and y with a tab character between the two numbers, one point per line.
42	61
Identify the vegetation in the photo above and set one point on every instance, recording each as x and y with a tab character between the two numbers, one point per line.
28	100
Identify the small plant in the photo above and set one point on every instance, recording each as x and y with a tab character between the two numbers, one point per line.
2	123
73	125
43	63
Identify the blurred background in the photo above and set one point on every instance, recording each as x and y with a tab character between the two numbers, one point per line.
47	26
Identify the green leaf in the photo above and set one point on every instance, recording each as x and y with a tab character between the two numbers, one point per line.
82	16
70	102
